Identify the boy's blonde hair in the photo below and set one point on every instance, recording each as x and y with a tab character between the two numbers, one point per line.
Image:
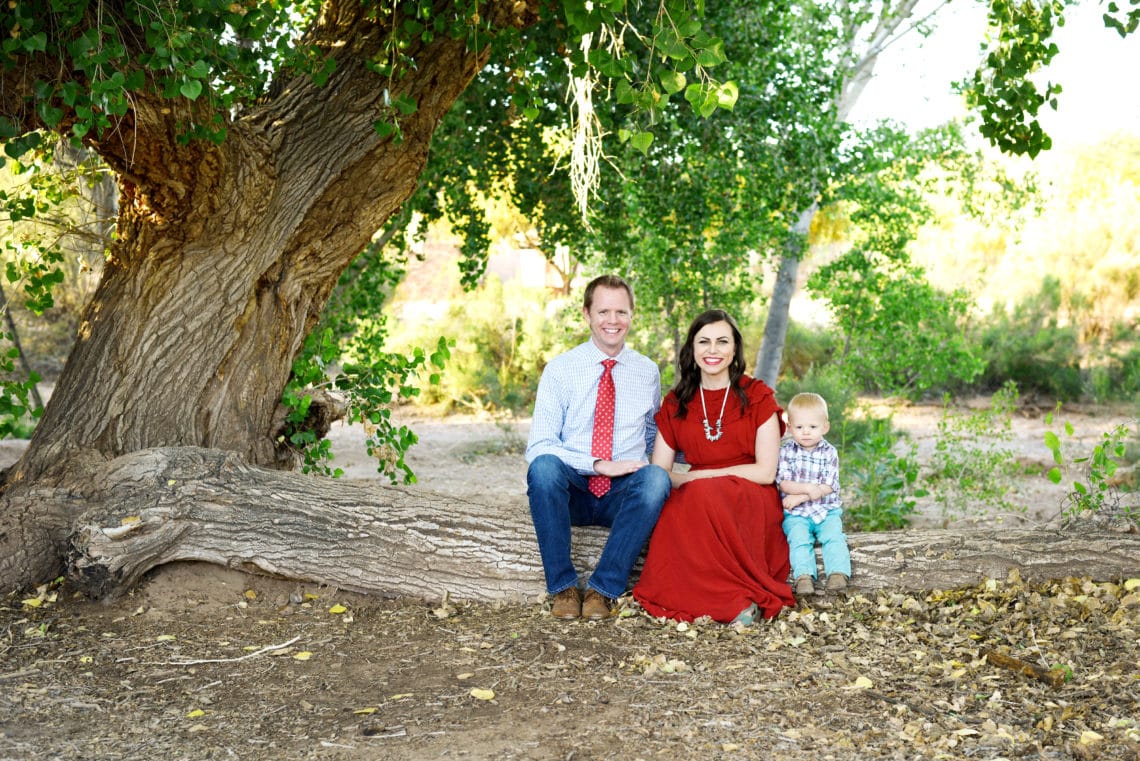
807	402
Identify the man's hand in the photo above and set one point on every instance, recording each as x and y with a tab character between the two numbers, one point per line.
617	468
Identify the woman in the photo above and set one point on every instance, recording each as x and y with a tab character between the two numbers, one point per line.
718	549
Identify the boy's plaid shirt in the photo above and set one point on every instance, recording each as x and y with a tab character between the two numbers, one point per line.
819	466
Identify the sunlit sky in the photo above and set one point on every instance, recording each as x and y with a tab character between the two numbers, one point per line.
1095	66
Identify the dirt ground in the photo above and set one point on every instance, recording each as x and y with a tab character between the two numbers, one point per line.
204	663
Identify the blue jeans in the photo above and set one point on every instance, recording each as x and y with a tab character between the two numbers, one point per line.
559	499
802	533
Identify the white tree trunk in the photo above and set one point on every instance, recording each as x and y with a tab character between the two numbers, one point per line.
175	504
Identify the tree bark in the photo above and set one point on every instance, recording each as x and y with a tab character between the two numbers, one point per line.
175	504
771	354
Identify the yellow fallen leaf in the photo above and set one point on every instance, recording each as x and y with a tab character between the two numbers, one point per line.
401	696
861	683
195	713
311	596
480	694
1088	737
129	520
304	655
33	602
1131	585
170	482
337	609
250	594
466	675
729	747
86	659
165	638
365	711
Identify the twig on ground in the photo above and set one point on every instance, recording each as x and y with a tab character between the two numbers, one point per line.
1053	677
262	651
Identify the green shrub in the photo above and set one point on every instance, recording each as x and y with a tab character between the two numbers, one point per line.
503	336
1029	346
879	485
972	467
1100	491
806	348
1117	375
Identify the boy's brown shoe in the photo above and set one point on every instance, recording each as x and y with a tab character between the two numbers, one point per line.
567	604
836	582
804	586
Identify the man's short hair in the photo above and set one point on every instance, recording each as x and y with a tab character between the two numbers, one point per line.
605	281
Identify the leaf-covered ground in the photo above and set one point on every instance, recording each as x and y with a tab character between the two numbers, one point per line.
201	663
205	663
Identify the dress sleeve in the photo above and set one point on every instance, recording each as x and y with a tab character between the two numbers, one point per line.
666	420
762	404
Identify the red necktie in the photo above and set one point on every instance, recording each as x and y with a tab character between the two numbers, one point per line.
602	444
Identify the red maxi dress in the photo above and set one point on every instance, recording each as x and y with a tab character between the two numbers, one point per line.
719	545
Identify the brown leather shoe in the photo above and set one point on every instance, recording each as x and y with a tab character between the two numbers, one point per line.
836	582
596	605
804	586
567	604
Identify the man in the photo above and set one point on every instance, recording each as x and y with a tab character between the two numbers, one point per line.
590	440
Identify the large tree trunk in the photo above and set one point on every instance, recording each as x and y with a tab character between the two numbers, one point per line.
163	505
224	258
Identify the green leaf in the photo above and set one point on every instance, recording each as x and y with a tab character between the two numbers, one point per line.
712	54
641	141
37	43
606	62
673	81
727	95
384	129
405	105
191	89
624	92
50	115
582	20
1054	475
